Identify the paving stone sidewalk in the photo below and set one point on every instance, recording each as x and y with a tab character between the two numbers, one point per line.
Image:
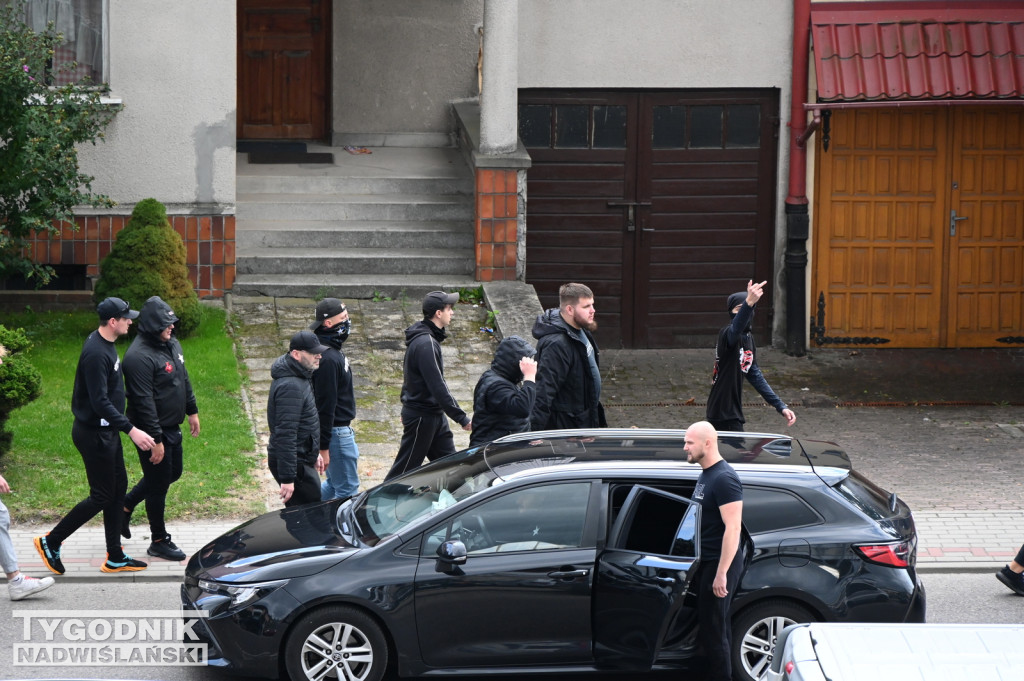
957	465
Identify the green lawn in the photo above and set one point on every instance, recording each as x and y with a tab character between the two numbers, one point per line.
45	470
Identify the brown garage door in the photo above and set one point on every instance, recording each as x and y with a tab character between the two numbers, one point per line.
662	202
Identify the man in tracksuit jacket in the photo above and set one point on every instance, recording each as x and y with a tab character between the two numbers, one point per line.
97	402
335	402
425	395
293	452
160	397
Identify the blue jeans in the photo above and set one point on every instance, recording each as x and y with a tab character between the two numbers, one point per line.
343	470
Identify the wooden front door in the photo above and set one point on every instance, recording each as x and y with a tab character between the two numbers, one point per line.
919	228
662	202
283	68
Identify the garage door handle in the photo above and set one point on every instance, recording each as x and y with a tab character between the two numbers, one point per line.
567	574
630	206
953	219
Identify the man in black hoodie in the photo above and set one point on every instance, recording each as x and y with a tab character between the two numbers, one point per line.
293	452
736	358
335	402
568	378
425	395
501	406
160	397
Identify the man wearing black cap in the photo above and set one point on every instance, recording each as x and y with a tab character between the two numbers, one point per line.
736	358
159	398
293	452
425	394
98	402
335	402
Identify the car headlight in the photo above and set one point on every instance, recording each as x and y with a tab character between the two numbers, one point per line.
218	596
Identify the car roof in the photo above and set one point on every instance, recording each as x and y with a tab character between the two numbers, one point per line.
607	450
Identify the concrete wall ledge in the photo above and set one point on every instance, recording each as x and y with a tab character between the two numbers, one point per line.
467	119
516	306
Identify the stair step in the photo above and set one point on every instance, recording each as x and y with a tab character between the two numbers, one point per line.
312	261
352	207
333	184
349	286
354	234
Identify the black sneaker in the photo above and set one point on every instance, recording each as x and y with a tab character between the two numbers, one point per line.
126	564
50	558
1013	580
126	521
166	549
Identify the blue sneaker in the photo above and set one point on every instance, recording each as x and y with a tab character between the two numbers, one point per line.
126	564
50	558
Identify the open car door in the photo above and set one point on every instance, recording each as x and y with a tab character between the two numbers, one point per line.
642	576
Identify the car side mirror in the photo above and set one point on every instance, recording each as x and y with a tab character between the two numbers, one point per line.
450	555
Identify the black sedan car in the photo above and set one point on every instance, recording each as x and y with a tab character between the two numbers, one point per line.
548	552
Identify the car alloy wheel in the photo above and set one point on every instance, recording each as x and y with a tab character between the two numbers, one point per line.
336	642
755	632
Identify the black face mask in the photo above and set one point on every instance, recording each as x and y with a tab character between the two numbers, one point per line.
342	330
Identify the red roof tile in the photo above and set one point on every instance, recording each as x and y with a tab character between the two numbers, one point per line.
918	50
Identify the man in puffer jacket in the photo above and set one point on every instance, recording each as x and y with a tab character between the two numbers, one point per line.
568	379
293	453
159	398
500	405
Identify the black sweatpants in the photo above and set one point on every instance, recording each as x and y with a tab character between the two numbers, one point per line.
727	425
156	480
424	437
104	468
307	483
715	630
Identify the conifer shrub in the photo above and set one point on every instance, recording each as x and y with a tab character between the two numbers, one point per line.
148	259
20	382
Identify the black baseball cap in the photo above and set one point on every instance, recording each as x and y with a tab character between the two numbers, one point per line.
325	309
307	341
437	300
112	308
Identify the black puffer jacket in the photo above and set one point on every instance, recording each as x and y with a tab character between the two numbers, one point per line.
424	390
156	382
566	394
292	417
500	406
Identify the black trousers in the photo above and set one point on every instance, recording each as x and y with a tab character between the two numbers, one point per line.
424	437
730	424
307	483
104	468
156	480
715	630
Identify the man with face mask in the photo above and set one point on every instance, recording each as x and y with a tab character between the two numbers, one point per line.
736	358
160	397
335	402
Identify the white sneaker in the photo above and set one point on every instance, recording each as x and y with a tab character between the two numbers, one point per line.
28	586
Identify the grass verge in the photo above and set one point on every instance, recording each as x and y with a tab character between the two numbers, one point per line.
45	470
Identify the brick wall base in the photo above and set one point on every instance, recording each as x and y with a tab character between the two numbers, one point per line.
497	224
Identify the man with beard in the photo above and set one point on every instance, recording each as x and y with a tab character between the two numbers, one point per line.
736	358
160	397
335	402
568	378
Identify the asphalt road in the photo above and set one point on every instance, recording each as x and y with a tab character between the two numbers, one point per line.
970	598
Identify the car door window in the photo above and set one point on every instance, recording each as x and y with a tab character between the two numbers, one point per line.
659	524
532	519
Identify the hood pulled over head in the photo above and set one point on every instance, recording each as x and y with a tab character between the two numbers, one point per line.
155	316
507	356
734	300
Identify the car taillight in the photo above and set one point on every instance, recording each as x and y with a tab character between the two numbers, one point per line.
893	555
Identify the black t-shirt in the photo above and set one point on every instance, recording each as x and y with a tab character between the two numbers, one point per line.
717	486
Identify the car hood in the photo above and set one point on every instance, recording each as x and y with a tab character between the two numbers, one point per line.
293	542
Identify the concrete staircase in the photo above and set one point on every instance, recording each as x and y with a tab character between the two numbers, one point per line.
395	222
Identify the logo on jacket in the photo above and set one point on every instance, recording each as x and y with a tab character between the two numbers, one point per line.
746	360
169	368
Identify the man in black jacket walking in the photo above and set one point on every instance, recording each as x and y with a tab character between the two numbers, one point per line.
293	453
568	378
425	395
97	402
501	406
159	398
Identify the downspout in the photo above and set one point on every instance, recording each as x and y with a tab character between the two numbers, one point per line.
797	218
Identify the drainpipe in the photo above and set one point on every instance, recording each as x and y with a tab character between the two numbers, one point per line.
797	218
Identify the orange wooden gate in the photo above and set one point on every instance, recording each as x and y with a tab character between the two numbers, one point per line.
919	226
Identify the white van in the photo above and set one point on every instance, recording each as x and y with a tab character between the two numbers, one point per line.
901	652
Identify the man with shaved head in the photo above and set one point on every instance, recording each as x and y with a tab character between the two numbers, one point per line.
720	495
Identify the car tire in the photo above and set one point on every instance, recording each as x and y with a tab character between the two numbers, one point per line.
755	631
354	641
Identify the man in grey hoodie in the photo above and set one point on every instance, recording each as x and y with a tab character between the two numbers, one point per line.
160	397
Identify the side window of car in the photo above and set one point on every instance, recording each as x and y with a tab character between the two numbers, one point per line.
659	524
531	519
769	510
